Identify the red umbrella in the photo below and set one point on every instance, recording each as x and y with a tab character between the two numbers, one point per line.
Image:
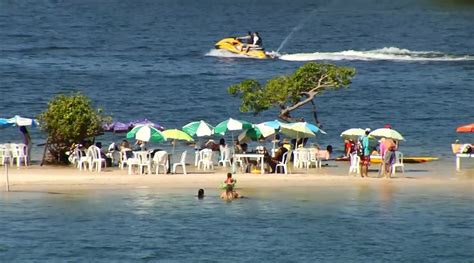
466	128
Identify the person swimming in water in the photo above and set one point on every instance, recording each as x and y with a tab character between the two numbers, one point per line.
200	194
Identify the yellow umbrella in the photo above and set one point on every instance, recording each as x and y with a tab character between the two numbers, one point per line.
176	134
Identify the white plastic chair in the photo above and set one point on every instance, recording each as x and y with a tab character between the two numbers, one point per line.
205	159
225	156
354	164
284	163
314	158
161	159
83	160
196	157
19	152
111	153
142	160
398	162
182	163
96	159
5	154
300	158
123	159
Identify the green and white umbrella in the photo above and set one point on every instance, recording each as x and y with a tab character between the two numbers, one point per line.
231	125
146	133
257	132
198	128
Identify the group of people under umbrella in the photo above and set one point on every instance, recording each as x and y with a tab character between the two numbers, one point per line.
244	131
360	142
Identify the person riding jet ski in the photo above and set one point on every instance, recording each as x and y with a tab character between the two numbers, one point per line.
248	39
257	42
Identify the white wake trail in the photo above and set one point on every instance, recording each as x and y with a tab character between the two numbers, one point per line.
386	53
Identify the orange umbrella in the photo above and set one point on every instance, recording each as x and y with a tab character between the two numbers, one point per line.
466	128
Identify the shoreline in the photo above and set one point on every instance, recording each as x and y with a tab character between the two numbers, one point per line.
69	179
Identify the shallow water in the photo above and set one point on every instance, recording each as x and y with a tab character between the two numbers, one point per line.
343	223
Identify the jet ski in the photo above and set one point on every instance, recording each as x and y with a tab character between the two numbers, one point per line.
234	45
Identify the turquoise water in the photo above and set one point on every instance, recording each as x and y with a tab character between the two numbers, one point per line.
343	224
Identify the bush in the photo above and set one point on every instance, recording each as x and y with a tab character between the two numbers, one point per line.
68	120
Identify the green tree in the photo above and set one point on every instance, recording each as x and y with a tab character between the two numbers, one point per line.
289	93
68	120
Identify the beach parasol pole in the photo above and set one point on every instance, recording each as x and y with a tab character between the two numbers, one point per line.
7	183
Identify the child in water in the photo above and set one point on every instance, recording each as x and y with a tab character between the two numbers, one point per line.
229	193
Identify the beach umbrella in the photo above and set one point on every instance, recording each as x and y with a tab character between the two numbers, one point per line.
353	133
296	130
265	130
146	122
176	134
116	127
146	133
256	133
4	123
466	128
387	133
198	128
311	127
273	124
21	121
231	125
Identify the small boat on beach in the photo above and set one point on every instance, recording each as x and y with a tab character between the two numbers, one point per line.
234	45
409	159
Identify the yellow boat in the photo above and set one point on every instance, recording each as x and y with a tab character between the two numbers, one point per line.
408	159
233	45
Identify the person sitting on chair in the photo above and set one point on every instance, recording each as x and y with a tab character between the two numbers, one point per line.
278	157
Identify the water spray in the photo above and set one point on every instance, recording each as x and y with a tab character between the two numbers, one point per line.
296	28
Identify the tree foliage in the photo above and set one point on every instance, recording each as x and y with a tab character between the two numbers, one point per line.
68	120
291	92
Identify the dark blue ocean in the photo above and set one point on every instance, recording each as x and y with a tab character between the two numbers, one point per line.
155	60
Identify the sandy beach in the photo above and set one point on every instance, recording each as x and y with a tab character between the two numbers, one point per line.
67	179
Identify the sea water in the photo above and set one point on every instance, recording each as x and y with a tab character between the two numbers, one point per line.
344	224
155	60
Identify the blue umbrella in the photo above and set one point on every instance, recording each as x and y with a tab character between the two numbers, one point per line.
273	124
4	123
21	121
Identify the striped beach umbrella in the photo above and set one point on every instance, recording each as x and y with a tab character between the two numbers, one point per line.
198	128
231	125
146	133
